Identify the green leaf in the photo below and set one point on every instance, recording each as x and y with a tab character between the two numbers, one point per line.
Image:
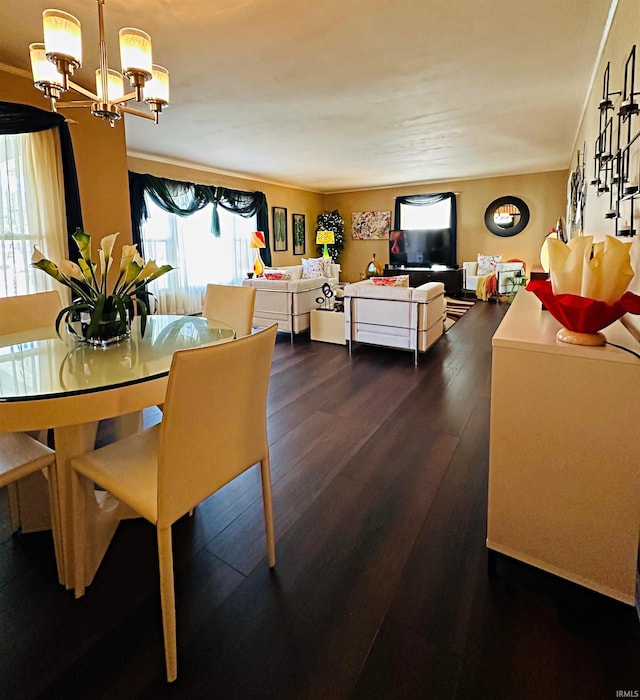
96	316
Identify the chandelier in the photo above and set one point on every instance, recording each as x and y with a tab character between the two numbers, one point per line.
54	62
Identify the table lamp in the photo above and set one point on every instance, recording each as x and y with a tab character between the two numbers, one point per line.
257	242
323	238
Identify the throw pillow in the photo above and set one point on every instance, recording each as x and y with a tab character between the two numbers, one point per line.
487	263
313	267
277	274
397	281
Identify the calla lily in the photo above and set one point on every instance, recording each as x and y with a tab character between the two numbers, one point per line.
107	243
130	253
103	263
38	260
83	241
70	269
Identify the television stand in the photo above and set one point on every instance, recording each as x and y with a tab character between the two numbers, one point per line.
451	277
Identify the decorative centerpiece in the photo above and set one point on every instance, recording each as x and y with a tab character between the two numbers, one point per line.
587	291
104	317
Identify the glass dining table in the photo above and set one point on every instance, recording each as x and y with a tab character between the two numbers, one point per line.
49	382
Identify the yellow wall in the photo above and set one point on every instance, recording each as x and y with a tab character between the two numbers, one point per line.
622	36
101	162
544	193
295	201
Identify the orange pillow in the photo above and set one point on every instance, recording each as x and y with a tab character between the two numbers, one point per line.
397	281
277	275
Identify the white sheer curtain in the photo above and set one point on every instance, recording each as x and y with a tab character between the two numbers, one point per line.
199	258
32	210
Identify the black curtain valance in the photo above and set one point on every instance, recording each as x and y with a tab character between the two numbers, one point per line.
185	198
426	200
25	119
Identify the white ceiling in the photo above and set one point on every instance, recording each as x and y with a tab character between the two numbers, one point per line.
345	94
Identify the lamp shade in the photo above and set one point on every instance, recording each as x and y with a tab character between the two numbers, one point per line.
115	86
325	237
135	51
62	37
44	72
257	240
157	89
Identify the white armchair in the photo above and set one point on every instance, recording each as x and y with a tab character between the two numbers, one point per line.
398	317
288	302
505	271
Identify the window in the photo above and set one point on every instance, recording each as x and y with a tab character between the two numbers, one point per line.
422	216
200	258
31	210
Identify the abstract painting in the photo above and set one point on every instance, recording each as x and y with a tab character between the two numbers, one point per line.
366	225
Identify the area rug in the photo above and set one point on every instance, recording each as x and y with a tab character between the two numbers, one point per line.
456	309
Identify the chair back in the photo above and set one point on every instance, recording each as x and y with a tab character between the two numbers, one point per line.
28	311
214	425
231	305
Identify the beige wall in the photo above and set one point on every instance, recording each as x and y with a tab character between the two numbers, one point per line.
101	162
545	194
622	36
295	201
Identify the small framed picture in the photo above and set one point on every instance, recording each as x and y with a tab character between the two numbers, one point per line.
279	228
298	234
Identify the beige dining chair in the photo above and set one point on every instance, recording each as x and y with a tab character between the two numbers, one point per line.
20	456
28	311
214	428
231	305
22	313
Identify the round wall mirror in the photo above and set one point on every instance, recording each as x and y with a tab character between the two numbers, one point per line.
506	216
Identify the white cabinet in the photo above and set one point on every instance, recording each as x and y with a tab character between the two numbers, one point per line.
564	459
328	326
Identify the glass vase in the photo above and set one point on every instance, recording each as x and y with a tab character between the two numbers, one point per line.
111	328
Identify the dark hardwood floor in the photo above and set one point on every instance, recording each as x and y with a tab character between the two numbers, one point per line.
380	588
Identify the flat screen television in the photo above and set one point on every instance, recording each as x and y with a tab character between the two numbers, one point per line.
422	248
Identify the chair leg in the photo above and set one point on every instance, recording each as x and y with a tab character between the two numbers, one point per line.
14	506
267	502
52	480
167	599
79	532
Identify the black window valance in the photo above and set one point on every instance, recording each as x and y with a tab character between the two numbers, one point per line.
25	119
185	198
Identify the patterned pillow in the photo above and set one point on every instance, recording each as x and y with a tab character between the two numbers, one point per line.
397	281
277	274
487	263
313	267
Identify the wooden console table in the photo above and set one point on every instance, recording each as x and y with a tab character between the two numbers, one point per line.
450	277
564	474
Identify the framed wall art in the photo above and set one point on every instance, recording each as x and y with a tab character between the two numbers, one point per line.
367	225
279	228
299	233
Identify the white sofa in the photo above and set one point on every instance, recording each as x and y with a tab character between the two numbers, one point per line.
399	317
288	302
504	272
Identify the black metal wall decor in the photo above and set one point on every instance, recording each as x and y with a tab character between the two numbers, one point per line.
578	193
616	161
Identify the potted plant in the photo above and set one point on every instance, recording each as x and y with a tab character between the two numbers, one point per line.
104	314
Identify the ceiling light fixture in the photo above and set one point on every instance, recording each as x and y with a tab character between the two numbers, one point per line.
54	62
